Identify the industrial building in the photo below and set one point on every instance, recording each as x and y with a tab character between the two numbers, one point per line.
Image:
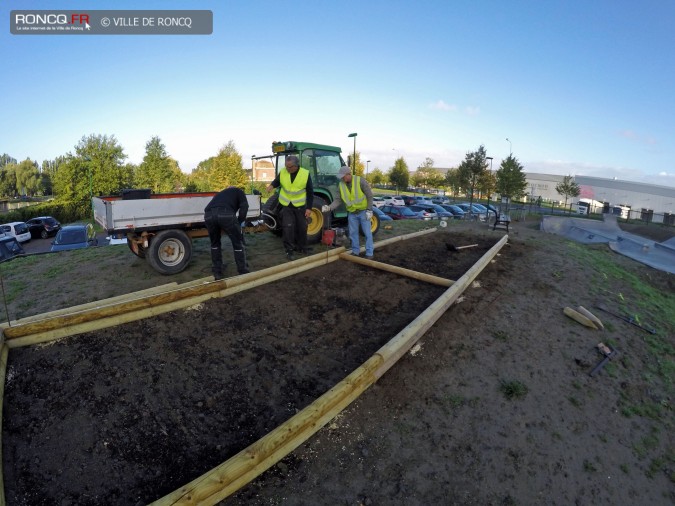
646	201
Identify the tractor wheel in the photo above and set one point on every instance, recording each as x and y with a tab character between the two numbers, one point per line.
169	251
316	221
374	225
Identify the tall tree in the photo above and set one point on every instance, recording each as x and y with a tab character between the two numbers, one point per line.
227	169
452	180
568	187
399	175
487	183
511	181
5	159
360	166
471	169
27	178
158	171
8	180
96	167
376	176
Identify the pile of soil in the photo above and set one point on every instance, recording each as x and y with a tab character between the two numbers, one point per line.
128	414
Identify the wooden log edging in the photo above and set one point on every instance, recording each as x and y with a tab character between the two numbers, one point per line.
227	478
4	353
108	316
429	278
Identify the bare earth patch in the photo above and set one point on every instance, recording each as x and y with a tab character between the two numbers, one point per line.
128	414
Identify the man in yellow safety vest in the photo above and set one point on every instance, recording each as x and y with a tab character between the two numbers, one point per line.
296	198
355	192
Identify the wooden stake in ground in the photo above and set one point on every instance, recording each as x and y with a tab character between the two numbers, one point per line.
452	247
591	317
578	317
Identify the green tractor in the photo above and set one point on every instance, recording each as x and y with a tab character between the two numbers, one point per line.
323	163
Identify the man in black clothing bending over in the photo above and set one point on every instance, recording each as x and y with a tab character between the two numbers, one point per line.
227	213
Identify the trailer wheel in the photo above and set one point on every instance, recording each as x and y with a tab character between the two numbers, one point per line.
169	251
136	248
315	225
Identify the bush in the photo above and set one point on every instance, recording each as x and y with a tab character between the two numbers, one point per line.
64	212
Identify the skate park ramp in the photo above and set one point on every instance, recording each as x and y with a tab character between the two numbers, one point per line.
660	256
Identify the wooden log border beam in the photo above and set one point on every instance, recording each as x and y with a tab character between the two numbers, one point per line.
137	309
429	278
93	304
227	478
3	375
153	301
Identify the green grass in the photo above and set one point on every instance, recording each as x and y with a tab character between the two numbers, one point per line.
647	304
513	389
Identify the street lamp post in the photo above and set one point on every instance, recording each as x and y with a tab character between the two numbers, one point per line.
510	146
367	165
354	157
488	202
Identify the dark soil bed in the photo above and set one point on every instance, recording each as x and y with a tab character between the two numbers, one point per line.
128	414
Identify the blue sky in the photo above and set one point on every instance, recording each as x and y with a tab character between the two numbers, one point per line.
577	86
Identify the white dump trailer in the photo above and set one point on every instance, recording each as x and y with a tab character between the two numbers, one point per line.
160	227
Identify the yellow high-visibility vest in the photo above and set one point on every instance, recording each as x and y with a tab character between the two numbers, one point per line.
294	192
354	198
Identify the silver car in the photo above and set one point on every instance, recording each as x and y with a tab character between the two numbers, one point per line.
394	200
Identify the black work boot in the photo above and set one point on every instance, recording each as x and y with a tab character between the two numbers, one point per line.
217	263
240	259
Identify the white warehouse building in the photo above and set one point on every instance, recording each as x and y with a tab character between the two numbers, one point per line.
642	198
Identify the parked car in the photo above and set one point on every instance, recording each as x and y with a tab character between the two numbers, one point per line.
17	229
378	201
481	207
75	237
382	217
117	238
440	200
408	200
9	247
441	212
394	200
455	210
475	211
424	211
493	209
43	226
400	213
423	200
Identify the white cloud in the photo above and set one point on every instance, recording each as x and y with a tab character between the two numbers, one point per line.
471	110
634	136
443	106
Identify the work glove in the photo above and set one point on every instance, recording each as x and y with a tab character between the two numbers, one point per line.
325	209
369	215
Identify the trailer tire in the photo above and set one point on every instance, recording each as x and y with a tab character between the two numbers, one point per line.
169	251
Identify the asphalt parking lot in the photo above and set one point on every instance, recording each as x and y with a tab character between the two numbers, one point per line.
44	245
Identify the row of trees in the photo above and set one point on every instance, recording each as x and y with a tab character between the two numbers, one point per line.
472	176
98	167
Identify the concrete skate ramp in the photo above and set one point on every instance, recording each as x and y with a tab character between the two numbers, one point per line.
660	256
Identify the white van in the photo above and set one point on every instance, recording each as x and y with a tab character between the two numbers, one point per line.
17	229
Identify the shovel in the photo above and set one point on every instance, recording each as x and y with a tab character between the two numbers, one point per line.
452	247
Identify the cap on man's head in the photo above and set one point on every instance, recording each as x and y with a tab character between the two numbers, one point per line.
344	170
